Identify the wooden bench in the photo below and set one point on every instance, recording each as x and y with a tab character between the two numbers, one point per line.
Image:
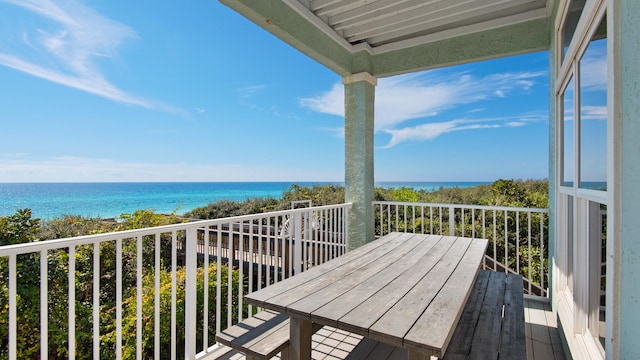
491	326
259	337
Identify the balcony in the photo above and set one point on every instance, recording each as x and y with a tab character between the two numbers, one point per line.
142	294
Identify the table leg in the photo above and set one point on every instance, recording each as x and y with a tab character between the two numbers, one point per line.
300	339
416	355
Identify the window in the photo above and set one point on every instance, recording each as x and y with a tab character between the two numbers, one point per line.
583	159
568	129
570	24
598	272
593	112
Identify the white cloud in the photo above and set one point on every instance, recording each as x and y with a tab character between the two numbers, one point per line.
66	48
430	131
420	95
330	102
588	112
593	67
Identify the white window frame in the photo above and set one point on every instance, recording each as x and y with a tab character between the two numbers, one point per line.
573	305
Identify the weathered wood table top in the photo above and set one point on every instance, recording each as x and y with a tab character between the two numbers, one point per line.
407	290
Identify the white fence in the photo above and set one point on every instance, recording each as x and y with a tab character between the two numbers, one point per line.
517	236
158	292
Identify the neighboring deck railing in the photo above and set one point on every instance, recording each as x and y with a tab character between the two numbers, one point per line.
517	236
156	277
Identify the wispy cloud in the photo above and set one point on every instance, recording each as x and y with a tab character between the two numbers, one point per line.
588	112
593	67
66	45
426	95
430	131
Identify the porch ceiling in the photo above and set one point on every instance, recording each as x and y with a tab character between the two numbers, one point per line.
386	37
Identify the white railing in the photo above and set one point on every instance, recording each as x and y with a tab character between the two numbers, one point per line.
142	293
517	236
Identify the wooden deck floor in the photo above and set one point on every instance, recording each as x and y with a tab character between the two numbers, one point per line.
543	339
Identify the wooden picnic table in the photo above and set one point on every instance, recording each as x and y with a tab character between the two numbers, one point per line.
407	290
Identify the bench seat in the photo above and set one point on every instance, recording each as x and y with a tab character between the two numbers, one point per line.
261	336
491	326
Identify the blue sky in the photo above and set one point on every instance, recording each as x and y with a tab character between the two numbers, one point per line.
191	91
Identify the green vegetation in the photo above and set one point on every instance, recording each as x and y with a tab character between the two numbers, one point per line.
517	193
22	228
319	195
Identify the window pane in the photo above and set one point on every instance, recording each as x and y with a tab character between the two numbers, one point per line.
569	234
568	158
570	23
598	272
593	113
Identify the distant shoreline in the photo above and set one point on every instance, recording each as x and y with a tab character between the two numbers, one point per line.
109	199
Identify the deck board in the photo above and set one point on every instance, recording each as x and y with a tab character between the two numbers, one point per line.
353	259
453	296
398	320
361	317
334	288
349	300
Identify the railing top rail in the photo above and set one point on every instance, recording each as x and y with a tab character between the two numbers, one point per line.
235	219
466	206
31	247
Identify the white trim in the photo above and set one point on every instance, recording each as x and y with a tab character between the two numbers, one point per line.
358	77
574	306
612	186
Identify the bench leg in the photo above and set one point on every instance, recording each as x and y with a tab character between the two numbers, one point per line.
300	338
284	355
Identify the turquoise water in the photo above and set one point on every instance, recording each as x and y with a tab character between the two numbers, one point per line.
50	200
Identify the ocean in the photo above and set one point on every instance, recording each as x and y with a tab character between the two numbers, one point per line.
108	200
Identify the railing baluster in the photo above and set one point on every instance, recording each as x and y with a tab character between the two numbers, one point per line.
518	242
495	242
452	216
190	311
506	242
240	258
44	307
119	298
252	259
219	279
530	257
139	240
205	288
462	228
389	217
13	313
174	289
156	297
72	302
542	257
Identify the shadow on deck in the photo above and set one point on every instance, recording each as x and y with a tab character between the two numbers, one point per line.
543	339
